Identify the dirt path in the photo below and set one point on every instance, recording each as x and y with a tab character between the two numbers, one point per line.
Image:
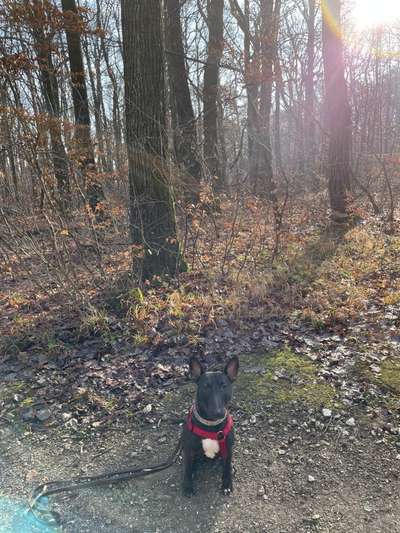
296	471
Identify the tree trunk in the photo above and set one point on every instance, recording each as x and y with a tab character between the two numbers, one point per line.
51	97
4	182
252	80
264	179
309	108
337	111
215	21
83	142
116	114
152	216
277	118
185	138
103	163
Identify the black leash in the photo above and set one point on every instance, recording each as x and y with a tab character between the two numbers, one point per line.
84	482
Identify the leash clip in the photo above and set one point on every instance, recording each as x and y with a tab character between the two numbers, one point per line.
220	435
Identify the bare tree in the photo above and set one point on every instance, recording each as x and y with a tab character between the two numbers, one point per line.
83	141
215	46
337	111
185	135
43	35
6	147
309	108
264	178
152	216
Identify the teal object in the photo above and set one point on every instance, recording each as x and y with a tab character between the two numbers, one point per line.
15	517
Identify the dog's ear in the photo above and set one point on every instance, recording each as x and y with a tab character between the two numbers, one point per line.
232	368
195	367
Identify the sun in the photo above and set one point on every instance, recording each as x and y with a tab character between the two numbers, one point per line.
373	13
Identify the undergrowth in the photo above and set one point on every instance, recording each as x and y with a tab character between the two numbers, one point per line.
325	278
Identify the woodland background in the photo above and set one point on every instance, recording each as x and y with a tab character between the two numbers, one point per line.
181	177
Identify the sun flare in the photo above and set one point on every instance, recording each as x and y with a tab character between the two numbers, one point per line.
373	13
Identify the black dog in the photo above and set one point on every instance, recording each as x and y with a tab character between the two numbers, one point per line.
209	427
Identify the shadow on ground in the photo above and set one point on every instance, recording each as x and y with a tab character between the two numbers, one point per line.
294	472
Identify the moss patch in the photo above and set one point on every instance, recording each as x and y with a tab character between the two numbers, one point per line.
388	380
277	378
281	377
8	390
390	375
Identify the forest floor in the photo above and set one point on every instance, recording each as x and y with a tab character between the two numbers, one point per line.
317	404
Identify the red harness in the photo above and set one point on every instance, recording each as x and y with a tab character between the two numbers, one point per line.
220	435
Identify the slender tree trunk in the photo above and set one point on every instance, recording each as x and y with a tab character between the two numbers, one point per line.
252	71
50	89
215	21
277	118
185	137
83	142
102	112
251	109
152	216
337	110
116	113
104	167
264	180
253	74
309	108
4	147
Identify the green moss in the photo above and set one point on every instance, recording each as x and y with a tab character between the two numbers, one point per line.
390	375
388	380
7	390
281	377
271	378
26	402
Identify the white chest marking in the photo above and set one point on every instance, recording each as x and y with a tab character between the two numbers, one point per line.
210	447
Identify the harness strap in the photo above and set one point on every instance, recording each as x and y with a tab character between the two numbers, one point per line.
220	436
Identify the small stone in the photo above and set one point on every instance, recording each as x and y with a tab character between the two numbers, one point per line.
375	368
66	416
43	414
261	491
367	509
265	497
326	413
147	409
28	415
398	456
350	422
315	517
253	419
282	452
72	423
311	479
